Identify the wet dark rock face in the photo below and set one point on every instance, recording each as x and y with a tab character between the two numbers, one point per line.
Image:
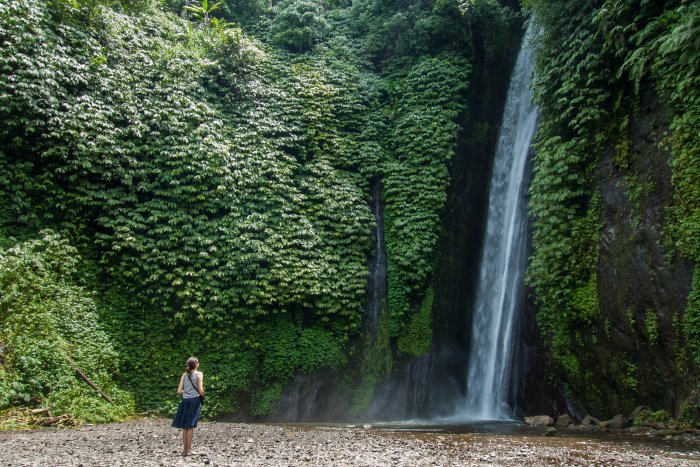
642	289
312	398
403	396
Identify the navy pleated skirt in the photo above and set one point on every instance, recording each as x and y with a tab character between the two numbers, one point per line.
187	413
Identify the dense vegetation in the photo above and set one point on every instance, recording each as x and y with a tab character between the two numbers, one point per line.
50	327
217	186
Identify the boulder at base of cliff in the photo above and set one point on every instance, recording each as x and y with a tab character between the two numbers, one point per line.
539	420
590	422
618	422
564	420
635	413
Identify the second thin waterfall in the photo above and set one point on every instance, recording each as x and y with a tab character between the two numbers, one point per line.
500	292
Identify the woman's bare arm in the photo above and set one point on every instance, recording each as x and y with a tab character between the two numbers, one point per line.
201	388
181	386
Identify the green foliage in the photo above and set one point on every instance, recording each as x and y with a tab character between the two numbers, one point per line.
318	349
691	319
572	90
206	21
395	33
298	24
628	376
264	399
376	364
89	10
286	349
211	198
679	349
422	139
650	417
203	12
572	107
585	301
488	20
690	411
46	321
218	188
651	323
577	308
281	358
417	338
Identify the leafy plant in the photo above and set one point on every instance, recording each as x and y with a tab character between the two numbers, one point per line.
298	24
47	321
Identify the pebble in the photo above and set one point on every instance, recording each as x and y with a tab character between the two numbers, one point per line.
152	442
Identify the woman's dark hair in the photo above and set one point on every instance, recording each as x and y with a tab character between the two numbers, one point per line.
191	364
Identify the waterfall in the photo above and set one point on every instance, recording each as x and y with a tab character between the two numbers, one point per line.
377	264
500	292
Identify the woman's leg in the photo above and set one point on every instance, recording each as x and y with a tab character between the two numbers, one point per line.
184	442
189	439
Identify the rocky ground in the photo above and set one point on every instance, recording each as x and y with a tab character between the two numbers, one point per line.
154	442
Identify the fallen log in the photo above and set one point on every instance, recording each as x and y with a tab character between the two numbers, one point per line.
61	420
87	380
45	410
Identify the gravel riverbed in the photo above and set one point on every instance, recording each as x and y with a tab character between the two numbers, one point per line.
154	442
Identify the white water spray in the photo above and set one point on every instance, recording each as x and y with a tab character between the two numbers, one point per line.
378	264
500	290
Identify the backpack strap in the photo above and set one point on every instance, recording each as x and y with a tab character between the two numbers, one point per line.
195	387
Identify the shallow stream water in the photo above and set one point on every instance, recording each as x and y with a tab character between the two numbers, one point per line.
574	435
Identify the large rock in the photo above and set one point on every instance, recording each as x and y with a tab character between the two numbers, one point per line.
590	422
564	420
618	422
635	413
540	420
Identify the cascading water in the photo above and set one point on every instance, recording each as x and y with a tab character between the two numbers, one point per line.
378	263
500	291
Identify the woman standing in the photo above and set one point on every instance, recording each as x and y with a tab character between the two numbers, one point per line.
190	389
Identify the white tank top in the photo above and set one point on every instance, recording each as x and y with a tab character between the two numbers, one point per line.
191	387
